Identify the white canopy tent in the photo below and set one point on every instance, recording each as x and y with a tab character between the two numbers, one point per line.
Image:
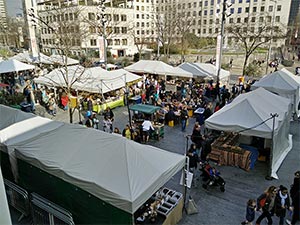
62	60
27	58
157	67
211	70
283	83
93	80
13	65
190	67
100	166
250	113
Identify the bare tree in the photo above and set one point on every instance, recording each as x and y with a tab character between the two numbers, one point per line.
252	37
63	26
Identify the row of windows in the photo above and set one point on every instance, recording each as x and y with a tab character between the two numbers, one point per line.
254	19
74	42
142	24
116	17
142	8
61	17
247	10
66	29
148	32
145	40
93	42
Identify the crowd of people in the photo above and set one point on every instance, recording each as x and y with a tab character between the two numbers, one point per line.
276	201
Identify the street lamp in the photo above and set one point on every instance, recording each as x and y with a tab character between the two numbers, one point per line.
271	36
101	17
220	38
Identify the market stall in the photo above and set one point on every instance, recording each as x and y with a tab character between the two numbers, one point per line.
84	177
143	111
250	114
225	151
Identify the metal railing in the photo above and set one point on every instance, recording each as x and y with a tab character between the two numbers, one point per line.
18	198
47	213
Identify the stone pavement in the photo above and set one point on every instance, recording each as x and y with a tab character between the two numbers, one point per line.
215	207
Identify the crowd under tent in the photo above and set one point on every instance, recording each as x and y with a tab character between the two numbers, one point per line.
249	114
27	58
12	65
157	68
81	169
282	83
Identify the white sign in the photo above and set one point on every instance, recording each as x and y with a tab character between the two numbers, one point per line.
101	44
218	52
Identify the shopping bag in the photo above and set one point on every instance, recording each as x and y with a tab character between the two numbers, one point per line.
191	207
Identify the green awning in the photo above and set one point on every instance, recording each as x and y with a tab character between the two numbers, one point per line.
148	109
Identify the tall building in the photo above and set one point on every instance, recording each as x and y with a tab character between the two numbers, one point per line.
294	10
3	12
128	26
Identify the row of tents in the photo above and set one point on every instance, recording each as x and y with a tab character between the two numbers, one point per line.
100	178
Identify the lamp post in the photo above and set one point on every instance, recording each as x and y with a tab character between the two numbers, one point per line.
101	16
220	38
271	35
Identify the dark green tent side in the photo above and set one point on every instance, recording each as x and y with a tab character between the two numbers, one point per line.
85	207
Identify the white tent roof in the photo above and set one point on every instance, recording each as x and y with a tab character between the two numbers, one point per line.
91	79
13	65
100	166
157	67
248	110
61	59
210	70
26	57
279	81
189	67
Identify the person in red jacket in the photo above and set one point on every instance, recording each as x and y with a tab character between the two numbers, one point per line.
64	101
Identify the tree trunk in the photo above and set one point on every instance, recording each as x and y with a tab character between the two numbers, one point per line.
245	63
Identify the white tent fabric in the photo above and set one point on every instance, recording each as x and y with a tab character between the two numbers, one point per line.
99	162
157	67
13	65
27	58
210	70
4	210
61	60
252	110
189	67
93	80
282	83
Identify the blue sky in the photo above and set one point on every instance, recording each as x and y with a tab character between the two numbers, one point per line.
13	7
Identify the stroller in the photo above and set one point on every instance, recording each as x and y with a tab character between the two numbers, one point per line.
211	176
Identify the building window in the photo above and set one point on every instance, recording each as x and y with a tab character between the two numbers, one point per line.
91	16
262	9
253	19
240	1
238	20
239	10
210	30
270	8
279	8
204	31
205	13
124	41
210	21
117	42
247	9
116	17
277	18
232	1
93	42
212	2
124	30
261	19
124	17
246	20
206	3
137	16
230	20
217	30
204	21
254	9
211	12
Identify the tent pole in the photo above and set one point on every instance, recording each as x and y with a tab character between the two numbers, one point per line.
269	176
185	173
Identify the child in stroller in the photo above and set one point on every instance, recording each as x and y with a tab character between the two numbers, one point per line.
211	176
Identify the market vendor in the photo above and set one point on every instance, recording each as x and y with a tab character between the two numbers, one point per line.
147	128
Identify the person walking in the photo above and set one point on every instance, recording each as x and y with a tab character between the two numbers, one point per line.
183	118
282	202
295	196
265	204
250	212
